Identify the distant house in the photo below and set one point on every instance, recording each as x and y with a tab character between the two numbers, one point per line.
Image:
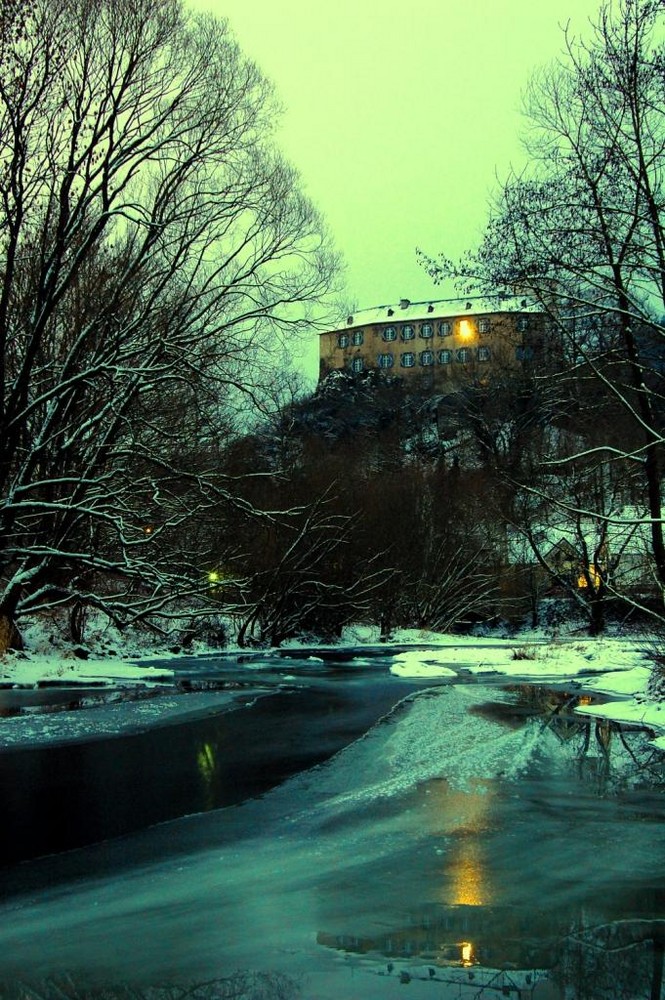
618	549
446	343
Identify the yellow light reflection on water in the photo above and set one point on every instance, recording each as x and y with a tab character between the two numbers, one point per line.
463	817
205	761
469	882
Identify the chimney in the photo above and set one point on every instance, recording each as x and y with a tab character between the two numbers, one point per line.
404	303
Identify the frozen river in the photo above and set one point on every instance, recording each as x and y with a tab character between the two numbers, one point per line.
474	839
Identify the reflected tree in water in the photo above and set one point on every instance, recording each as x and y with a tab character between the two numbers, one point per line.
620	960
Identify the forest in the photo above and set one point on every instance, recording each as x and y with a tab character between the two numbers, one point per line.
159	463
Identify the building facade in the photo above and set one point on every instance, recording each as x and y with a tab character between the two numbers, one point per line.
448	342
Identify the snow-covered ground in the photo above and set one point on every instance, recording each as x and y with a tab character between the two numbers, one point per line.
608	665
611	665
28	670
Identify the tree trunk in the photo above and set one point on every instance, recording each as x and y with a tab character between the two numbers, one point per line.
10	637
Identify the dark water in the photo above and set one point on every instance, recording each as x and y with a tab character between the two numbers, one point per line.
61	797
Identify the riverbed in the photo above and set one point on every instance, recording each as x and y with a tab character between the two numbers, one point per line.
348	829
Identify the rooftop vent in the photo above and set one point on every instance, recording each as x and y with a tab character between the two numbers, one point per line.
391	312
349	320
523	303
468	305
404	303
430	308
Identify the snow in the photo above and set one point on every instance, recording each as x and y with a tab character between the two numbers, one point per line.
614	666
99	722
437	309
607	665
28	671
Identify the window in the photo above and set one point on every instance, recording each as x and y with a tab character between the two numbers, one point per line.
408	360
464	355
408	332
385	360
343	340
524	353
483	354
357	365
389	333
426	330
484	325
427	358
522	323
445	328
357	338
445	357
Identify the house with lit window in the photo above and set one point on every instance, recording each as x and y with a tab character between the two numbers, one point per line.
446	343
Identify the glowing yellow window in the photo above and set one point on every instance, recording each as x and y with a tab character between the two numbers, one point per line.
594	576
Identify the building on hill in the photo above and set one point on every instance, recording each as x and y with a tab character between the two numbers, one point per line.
446	343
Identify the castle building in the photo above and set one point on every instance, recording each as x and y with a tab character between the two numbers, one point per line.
446	343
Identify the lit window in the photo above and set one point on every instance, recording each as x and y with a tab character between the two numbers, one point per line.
483	354
426	330
343	340
467	953
427	357
408	332
483	326
408	360
357	338
389	333
465	328
357	365
464	355
593	574
386	360
445	328
445	357
523	323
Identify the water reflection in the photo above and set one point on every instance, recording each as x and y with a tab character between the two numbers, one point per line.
206	762
588	959
462	936
463	818
546	870
594	743
614	960
469	876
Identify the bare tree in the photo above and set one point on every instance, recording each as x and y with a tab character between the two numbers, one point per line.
155	249
582	228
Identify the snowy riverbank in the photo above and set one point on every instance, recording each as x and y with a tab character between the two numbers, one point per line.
614	666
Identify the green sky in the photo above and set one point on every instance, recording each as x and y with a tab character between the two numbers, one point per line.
400	115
